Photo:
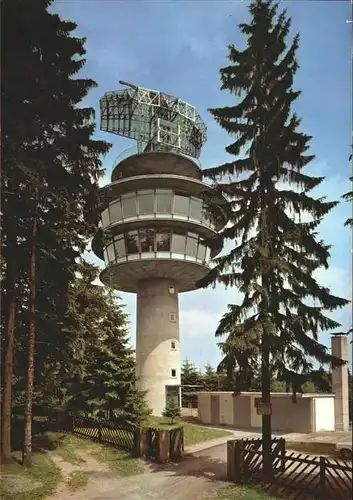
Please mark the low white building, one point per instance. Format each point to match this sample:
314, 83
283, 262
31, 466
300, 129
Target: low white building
311, 412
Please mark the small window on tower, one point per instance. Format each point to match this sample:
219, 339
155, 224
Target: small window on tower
173, 345
173, 372
172, 317
171, 289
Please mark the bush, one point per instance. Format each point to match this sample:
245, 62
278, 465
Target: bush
171, 411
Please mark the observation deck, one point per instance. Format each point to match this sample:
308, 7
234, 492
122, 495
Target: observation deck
154, 224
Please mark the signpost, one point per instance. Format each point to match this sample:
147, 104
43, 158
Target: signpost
262, 408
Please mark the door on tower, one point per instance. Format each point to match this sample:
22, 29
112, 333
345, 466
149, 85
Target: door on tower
172, 395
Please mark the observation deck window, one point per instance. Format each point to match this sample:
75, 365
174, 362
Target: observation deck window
129, 205
163, 237
119, 244
195, 208
146, 202
132, 245
147, 240
171, 243
164, 200
201, 252
191, 244
178, 243
181, 204
157, 203
105, 218
111, 253
115, 211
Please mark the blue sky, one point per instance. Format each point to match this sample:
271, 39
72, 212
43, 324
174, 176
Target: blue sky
178, 47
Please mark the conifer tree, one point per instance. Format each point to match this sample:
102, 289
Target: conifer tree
106, 386
276, 253
349, 197
49, 155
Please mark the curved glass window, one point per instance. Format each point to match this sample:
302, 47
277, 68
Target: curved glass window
181, 204
156, 203
195, 208
178, 243
119, 244
129, 205
132, 244
201, 252
111, 253
189, 246
105, 218
146, 237
145, 202
115, 211
164, 200
163, 237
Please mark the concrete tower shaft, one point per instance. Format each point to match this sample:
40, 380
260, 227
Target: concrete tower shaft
157, 341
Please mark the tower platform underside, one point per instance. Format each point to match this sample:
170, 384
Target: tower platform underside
127, 276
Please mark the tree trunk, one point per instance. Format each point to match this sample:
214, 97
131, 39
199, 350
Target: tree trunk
8, 370
266, 400
27, 444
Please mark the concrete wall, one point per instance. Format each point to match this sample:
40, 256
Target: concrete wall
309, 414
226, 409
155, 358
241, 411
339, 347
324, 412
292, 417
204, 407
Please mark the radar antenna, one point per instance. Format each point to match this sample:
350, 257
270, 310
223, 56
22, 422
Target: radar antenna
157, 121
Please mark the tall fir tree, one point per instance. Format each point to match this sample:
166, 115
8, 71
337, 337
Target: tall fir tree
105, 385
51, 167
349, 197
276, 253
191, 381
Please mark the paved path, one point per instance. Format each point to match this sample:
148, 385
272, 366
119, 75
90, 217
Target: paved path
197, 477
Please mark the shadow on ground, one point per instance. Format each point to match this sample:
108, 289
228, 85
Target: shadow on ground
207, 464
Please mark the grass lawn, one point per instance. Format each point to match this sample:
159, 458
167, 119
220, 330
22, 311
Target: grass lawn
116, 460
78, 479
245, 492
193, 434
40, 480
34, 483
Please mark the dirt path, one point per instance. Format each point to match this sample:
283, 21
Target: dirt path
197, 477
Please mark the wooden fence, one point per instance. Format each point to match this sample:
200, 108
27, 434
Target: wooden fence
147, 442
304, 476
118, 434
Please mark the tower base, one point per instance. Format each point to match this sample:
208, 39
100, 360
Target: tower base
157, 343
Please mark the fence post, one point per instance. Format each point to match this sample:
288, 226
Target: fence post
139, 442
231, 460
100, 431
162, 446
283, 454
322, 477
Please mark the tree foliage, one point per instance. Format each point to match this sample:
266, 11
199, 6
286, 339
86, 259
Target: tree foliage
51, 168
277, 251
349, 197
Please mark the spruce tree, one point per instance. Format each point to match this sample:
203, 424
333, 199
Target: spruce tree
276, 253
349, 197
191, 381
210, 378
49, 154
100, 376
